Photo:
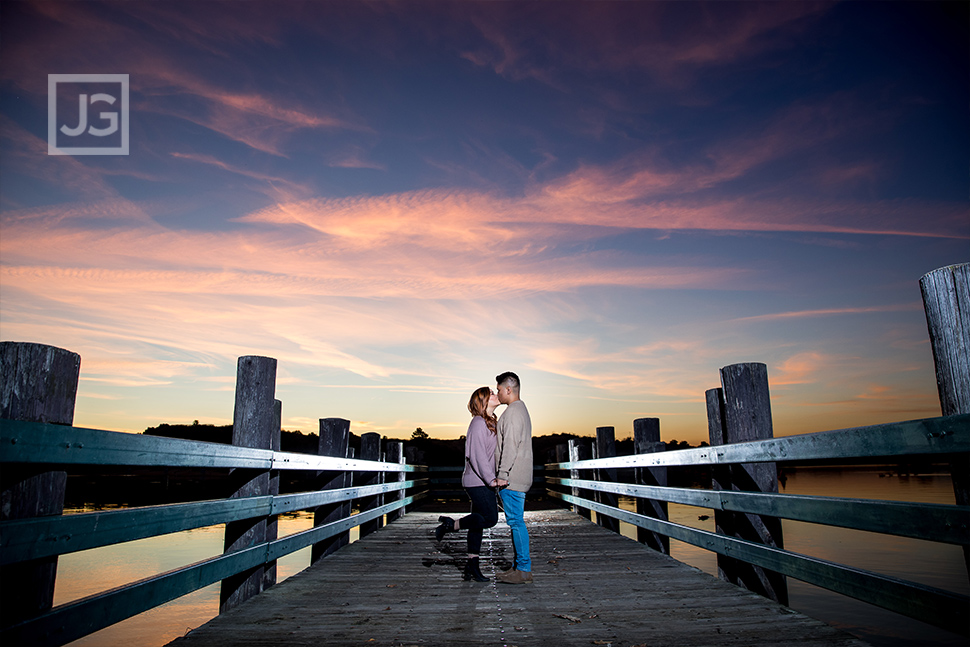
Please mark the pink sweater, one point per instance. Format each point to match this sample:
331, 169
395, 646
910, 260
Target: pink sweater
479, 454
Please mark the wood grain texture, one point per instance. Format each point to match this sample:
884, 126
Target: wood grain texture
255, 425
592, 586
946, 301
646, 440
38, 383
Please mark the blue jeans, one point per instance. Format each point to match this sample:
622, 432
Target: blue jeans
514, 504
484, 515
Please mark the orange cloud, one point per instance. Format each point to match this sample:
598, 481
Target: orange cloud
802, 368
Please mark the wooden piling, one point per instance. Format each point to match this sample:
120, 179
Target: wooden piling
38, 383
273, 522
578, 451
646, 440
334, 441
946, 300
606, 448
254, 425
395, 454
370, 450
744, 408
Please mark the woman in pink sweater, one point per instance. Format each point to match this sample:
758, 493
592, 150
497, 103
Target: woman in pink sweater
478, 479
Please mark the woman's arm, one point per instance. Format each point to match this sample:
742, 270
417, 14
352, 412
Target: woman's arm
480, 457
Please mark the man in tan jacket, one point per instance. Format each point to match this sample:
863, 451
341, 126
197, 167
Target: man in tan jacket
513, 465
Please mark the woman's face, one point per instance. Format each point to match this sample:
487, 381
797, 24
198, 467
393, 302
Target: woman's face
492, 400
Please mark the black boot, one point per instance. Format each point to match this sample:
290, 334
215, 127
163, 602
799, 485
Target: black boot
472, 571
447, 525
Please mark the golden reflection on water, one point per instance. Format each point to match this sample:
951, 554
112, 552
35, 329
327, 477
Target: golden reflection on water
92, 571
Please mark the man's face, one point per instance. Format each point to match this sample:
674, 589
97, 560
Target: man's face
504, 394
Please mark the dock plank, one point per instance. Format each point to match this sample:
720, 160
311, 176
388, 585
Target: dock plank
592, 587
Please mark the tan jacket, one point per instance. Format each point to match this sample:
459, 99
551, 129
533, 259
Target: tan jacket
513, 449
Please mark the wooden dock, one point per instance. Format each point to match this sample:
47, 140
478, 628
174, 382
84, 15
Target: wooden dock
398, 587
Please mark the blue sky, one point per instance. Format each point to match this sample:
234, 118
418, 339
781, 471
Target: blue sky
399, 201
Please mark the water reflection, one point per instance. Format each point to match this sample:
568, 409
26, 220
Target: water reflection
938, 565
92, 571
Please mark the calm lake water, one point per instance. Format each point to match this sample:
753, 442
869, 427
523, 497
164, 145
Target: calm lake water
938, 565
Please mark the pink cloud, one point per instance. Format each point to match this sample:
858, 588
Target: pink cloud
802, 368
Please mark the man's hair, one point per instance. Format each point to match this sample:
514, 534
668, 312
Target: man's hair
508, 379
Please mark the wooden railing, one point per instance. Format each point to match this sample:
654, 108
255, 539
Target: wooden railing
742, 459
933, 522
33, 533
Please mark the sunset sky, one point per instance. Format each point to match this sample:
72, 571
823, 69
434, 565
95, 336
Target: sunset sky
399, 201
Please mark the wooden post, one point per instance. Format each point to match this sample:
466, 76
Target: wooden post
739, 412
38, 383
253, 425
646, 440
720, 480
370, 450
578, 452
946, 299
381, 477
273, 523
606, 448
334, 441
395, 454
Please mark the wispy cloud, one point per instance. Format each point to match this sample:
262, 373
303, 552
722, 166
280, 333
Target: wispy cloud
398, 208
830, 312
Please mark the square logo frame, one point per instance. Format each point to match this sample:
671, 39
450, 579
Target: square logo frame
122, 113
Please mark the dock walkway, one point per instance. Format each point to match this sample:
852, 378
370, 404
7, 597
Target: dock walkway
398, 587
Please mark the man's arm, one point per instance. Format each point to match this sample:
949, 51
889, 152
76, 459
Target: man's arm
510, 440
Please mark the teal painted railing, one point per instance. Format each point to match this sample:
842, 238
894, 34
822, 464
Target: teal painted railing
37, 389
945, 437
26, 444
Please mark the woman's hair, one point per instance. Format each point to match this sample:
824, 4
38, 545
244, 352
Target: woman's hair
478, 405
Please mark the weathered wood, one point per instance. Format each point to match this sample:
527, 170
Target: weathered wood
38, 383
929, 436
746, 409
254, 425
720, 474
71, 621
272, 522
395, 454
578, 451
946, 300
949, 524
939, 607
370, 449
646, 440
41, 443
334, 441
606, 448
591, 586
